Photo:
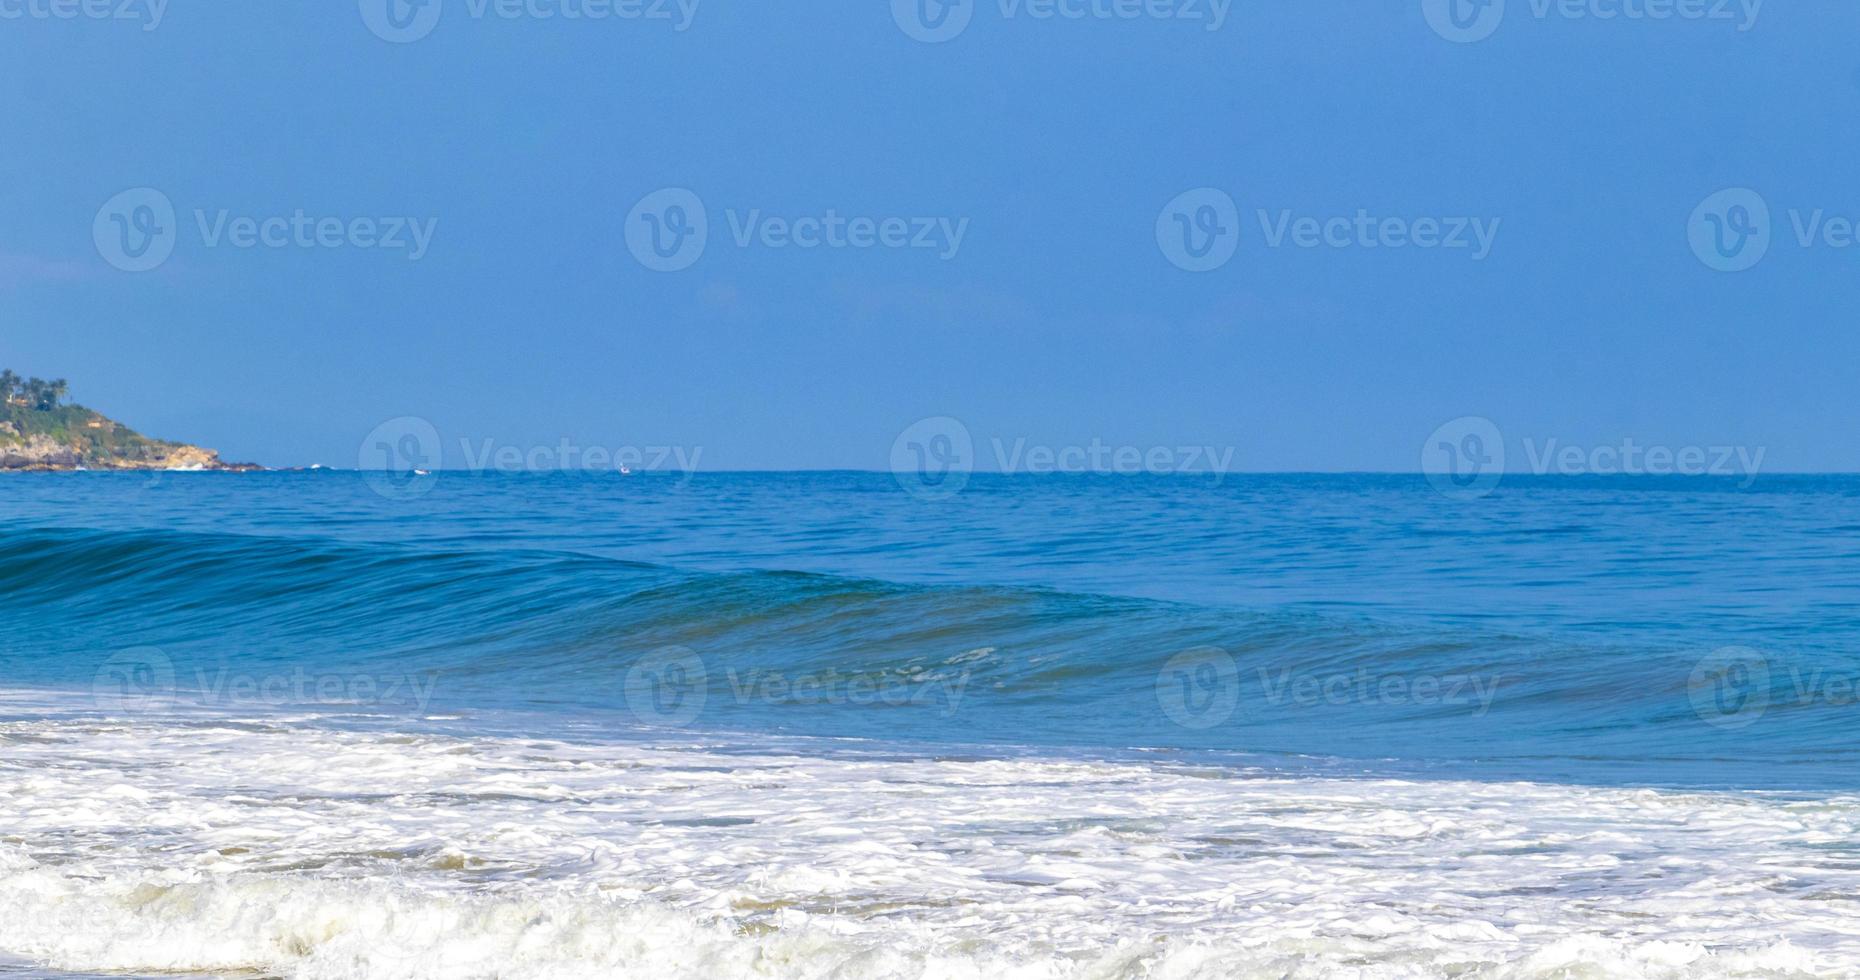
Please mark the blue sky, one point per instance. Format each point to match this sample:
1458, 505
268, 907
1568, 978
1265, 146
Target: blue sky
523, 144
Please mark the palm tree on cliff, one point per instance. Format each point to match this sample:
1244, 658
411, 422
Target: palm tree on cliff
9, 383
58, 389
36, 390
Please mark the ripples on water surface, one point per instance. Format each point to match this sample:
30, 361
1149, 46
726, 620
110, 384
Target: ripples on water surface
809, 725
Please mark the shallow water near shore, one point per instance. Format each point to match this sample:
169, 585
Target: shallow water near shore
809, 725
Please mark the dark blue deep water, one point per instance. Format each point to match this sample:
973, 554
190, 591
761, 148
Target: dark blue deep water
1634, 631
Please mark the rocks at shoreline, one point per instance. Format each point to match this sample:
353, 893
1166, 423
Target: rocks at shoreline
42, 454
40, 432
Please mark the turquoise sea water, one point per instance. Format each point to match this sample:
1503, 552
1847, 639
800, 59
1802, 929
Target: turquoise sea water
318, 725
1559, 629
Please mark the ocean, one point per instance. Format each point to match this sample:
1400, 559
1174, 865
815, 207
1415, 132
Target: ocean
336, 725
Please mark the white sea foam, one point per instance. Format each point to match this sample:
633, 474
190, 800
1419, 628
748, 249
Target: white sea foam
306, 852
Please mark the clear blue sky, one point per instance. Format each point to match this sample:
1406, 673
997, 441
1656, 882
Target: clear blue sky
1059, 141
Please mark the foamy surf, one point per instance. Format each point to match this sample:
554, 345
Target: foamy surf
187, 845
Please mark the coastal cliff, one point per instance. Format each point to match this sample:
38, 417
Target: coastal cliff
40, 431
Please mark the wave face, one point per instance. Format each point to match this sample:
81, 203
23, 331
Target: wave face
1689, 635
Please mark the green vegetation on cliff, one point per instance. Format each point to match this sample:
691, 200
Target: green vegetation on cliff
39, 430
